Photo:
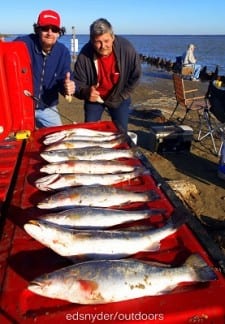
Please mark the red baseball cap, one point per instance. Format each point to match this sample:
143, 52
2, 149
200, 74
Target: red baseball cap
49, 17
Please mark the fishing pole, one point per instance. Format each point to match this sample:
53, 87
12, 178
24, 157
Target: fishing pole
27, 93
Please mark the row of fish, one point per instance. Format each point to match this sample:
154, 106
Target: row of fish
82, 229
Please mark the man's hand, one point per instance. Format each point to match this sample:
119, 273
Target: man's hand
95, 95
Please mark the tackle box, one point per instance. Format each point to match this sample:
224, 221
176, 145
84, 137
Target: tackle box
22, 258
170, 138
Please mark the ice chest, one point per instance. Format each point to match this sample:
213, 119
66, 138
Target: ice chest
170, 138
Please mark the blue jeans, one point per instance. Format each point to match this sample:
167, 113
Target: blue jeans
197, 69
94, 110
47, 117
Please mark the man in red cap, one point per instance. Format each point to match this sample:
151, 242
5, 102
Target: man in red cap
51, 64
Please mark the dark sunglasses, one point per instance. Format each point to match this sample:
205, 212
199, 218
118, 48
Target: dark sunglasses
54, 29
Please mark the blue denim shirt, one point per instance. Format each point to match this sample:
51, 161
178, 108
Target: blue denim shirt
49, 71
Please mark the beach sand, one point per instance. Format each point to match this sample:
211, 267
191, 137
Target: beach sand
152, 102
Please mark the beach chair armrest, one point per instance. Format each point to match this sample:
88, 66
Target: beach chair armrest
192, 90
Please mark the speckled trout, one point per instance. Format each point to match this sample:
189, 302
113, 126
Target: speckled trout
108, 244
59, 181
87, 167
101, 282
95, 217
87, 153
79, 131
71, 144
95, 196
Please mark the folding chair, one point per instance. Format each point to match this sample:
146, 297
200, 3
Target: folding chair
186, 98
211, 128
214, 116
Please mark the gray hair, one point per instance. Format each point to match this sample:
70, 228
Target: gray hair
99, 27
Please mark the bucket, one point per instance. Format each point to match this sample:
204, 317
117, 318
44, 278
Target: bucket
133, 137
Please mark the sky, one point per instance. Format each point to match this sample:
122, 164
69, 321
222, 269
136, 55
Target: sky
147, 17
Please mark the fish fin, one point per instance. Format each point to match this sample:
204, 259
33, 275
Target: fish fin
153, 247
157, 264
202, 270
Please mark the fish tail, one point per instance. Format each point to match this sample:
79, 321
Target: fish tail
136, 152
178, 217
141, 170
202, 271
153, 195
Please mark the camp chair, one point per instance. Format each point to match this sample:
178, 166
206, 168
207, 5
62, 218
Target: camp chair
186, 98
213, 118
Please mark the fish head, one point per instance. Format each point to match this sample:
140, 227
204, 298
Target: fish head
52, 156
53, 285
42, 231
45, 183
53, 201
68, 285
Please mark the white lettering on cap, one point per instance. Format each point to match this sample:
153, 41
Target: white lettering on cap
50, 16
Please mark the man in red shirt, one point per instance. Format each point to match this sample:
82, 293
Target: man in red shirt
106, 72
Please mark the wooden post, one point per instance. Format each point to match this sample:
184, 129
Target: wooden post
73, 45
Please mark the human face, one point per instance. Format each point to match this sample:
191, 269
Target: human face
103, 44
48, 36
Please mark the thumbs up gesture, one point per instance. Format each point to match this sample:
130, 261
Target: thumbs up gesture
95, 94
69, 86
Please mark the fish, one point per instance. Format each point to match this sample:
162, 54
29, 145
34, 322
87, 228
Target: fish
87, 167
58, 181
90, 138
74, 143
96, 217
71, 144
78, 131
108, 281
95, 196
97, 244
87, 153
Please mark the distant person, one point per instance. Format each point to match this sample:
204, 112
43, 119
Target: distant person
190, 59
106, 72
51, 65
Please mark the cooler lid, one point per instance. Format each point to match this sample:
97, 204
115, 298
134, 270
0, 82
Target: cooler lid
17, 109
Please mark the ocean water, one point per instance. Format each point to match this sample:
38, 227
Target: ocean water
210, 51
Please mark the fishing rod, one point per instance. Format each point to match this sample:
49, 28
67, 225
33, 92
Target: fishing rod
27, 93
